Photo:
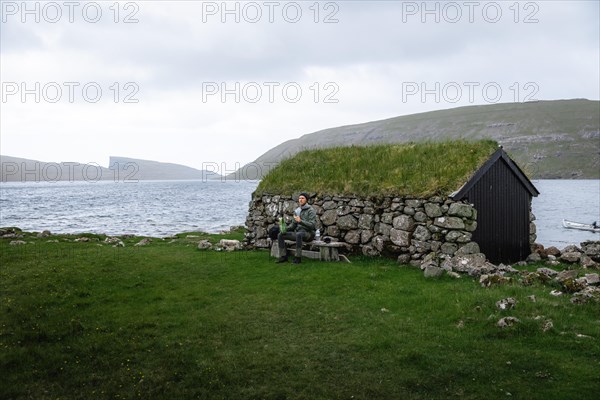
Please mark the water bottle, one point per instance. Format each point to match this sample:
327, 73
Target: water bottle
318, 235
282, 226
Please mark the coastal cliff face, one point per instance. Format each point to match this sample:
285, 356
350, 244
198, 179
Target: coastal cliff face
407, 228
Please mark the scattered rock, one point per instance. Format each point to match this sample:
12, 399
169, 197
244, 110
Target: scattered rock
433, 271
506, 304
404, 259
570, 257
17, 242
591, 249
144, 242
547, 271
230, 245
82, 239
567, 274
507, 268
44, 234
587, 262
488, 280
112, 240
592, 279
556, 293
590, 293
547, 325
579, 335
453, 274
532, 298
507, 321
552, 251
204, 245
571, 249
119, 244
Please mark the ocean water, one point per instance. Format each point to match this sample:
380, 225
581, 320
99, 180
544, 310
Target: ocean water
575, 200
161, 208
149, 208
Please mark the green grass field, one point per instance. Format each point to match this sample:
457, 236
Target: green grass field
167, 321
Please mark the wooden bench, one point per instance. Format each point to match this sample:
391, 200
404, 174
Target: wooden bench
325, 251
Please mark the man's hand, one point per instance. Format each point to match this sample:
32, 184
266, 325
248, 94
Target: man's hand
297, 218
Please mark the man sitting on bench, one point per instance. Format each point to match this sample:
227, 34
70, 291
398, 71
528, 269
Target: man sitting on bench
302, 228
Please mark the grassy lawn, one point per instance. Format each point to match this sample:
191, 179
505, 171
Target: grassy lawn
166, 321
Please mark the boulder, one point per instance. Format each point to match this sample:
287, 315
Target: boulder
400, 237
570, 257
493, 279
587, 262
370, 251
230, 245
17, 243
421, 233
460, 210
204, 245
449, 222
365, 236
506, 304
547, 325
420, 216
449, 248
507, 321
464, 263
567, 274
592, 279
404, 259
431, 271
365, 221
547, 271
329, 217
404, 222
552, 251
469, 248
433, 210
571, 249
387, 218
352, 237
470, 225
144, 242
347, 222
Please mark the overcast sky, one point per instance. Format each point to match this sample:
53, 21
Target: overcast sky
194, 82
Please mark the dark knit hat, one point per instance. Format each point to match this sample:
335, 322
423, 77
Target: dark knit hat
306, 196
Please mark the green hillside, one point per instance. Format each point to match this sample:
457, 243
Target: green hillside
552, 139
412, 169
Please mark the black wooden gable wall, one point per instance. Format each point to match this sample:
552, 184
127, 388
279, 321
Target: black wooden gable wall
501, 194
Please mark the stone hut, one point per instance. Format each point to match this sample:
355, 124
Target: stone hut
408, 201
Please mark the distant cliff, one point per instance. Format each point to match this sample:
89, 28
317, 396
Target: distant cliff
14, 169
550, 139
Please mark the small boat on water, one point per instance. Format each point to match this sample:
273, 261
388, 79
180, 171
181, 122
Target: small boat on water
582, 227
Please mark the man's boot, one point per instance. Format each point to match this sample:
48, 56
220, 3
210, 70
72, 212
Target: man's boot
297, 260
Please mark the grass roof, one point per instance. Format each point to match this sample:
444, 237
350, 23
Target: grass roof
410, 170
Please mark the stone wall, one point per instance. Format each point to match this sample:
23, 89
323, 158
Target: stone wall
406, 228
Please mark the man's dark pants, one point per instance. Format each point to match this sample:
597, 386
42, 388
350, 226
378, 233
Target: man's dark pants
297, 236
